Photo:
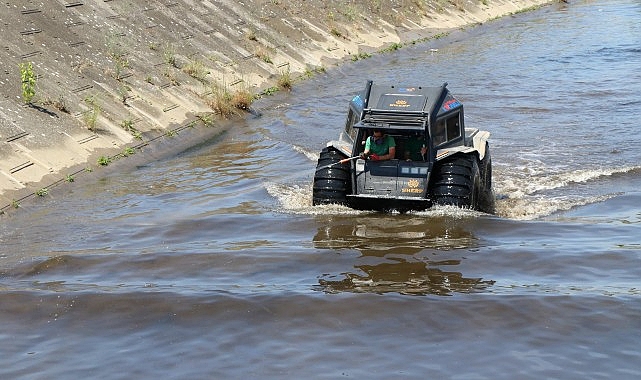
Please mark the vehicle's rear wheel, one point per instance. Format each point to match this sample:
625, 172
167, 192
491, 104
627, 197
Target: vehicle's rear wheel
456, 181
332, 179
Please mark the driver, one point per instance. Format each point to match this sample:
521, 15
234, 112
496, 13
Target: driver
379, 146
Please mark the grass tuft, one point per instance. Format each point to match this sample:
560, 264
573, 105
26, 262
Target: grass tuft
227, 103
285, 80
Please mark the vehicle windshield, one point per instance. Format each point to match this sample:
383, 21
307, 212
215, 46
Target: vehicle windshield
411, 145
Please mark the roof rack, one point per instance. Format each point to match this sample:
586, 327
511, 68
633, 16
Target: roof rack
401, 104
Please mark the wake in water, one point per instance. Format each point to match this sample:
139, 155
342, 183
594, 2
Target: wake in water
528, 197
533, 191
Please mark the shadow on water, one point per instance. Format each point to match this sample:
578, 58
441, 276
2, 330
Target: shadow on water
405, 254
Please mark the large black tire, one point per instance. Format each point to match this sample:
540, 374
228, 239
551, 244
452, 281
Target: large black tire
331, 184
486, 201
456, 181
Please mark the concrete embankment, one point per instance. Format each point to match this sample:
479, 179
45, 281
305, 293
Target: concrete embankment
111, 76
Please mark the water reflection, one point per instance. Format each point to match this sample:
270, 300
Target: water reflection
404, 277
399, 254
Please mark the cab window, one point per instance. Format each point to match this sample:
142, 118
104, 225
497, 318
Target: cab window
446, 129
438, 133
352, 118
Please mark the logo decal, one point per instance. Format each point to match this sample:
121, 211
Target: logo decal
358, 101
400, 103
412, 187
452, 103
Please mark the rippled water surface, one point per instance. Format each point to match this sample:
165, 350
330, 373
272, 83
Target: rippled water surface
212, 263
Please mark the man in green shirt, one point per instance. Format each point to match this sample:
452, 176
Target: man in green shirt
379, 146
415, 148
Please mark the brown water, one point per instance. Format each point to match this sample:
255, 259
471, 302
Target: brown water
212, 263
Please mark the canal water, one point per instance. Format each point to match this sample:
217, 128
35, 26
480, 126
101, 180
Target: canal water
211, 263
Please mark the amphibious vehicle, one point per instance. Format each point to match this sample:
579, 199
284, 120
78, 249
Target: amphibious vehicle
435, 160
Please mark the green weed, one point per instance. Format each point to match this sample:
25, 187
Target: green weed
104, 160
359, 56
127, 125
90, 117
28, 82
393, 47
206, 118
269, 91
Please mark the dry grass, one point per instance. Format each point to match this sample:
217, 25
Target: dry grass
196, 69
242, 99
227, 103
285, 80
263, 54
58, 104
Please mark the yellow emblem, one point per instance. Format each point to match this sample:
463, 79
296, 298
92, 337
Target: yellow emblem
402, 103
413, 183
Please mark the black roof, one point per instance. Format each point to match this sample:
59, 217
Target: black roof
403, 106
403, 98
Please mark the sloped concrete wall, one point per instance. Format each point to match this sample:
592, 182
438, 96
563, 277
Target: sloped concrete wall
116, 73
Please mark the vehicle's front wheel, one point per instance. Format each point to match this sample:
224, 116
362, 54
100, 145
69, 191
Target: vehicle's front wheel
332, 179
456, 181
486, 201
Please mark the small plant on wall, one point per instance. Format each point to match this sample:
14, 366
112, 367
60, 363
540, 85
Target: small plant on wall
104, 160
169, 54
59, 104
123, 93
206, 119
28, 82
221, 100
128, 152
285, 80
226, 102
91, 117
196, 69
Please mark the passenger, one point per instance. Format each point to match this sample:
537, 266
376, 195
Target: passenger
415, 149
379, 146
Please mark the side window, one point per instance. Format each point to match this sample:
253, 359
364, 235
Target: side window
438, 133
446, 130
453, 127
352, 118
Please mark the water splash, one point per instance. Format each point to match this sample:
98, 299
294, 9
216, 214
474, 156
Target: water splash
312, 156
530, 197
297, 199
